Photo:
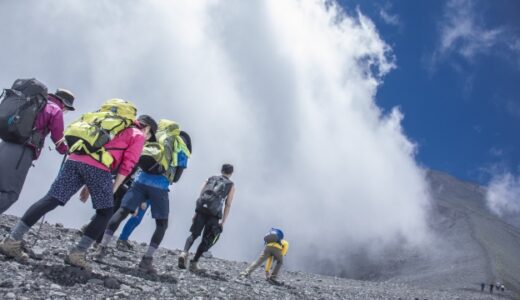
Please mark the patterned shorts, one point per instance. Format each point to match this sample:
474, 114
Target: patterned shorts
74, 175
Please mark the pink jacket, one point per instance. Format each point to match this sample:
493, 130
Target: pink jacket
50, 120
130, 139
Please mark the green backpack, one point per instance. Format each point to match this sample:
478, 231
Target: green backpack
90, 133
161, 157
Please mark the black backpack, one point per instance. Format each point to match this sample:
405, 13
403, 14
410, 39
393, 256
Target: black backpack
19, 107
213, 195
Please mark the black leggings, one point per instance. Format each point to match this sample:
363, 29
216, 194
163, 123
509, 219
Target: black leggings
117, 218
48, 203
39, 209
160, 229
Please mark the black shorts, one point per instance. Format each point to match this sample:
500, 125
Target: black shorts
204, 222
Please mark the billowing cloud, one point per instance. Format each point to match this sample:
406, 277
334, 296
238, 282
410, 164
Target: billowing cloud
284, 90
502, 194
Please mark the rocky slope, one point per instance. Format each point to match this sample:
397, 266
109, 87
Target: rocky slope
46, 277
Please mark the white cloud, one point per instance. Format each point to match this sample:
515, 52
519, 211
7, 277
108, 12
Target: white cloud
503, 195
389, 18
285, 90
464, 32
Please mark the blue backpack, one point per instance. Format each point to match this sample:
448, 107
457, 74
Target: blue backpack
273, 236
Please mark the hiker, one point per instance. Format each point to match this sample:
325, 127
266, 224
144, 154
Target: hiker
482, 287
491, 286
43, 115
135, 220
217, 191
276, 248
90, 166
158, 164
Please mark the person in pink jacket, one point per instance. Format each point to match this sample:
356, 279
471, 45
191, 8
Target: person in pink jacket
17, 159
83, 170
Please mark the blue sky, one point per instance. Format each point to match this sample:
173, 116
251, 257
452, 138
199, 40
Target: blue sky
457, 80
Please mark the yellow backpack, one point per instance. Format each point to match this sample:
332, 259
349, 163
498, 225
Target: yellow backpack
161, 157
90, 133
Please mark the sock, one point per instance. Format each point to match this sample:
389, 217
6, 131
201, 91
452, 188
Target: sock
19, 230
151, 250
107, 237
84, 243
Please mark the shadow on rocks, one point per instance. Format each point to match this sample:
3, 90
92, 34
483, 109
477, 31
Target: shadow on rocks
136, 273
69, 276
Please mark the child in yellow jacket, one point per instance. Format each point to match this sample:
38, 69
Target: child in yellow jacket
272, 251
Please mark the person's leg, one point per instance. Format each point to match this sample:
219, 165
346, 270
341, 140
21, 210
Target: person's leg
135, 195
145, 264
196, 229
157, 237
278, 257
160, 207
64, 187
16, 161
132, 224
32, 215
261, 259
211, 235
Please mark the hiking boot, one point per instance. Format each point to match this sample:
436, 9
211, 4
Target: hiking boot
194, 267
77, 258
273, 280
124, 245
182, 260
244, 274
100, 253
146, 266
13, 248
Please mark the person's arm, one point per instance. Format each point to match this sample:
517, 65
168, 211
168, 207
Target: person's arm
229, 201
130, 155
120, 178
56, 128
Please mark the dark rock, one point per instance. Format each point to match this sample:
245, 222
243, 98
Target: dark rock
112, 283
6, 284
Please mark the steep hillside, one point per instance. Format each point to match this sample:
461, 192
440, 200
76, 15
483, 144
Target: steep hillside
495, 244
46, 277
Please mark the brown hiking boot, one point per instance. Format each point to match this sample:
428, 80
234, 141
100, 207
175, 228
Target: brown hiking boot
146, 266
183, 258
13, 248
77, 258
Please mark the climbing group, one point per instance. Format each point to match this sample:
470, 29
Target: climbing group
124, 162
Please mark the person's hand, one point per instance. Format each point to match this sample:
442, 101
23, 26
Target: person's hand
221, 224
135, 213
84, 194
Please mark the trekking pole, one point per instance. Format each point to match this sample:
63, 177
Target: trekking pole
37, 235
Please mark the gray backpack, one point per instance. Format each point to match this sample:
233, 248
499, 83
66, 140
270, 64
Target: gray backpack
213, 196
19, 107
